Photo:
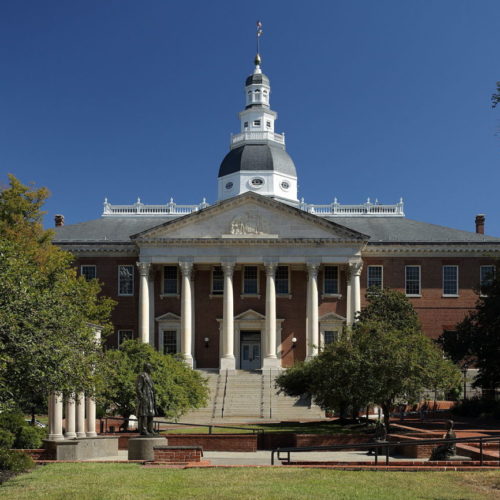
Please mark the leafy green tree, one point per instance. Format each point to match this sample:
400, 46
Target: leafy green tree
383, 360
178, 387
476, 339
495, 98
47, 342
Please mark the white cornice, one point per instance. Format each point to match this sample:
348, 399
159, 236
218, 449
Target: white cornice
429, 250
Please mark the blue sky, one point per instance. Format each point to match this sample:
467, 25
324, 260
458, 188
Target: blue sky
378, 99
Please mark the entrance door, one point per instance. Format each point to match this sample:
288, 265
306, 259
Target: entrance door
250, 350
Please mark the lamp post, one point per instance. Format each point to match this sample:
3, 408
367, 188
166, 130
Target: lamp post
465, 367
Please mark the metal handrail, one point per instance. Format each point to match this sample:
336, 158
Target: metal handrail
386, 445
157, 423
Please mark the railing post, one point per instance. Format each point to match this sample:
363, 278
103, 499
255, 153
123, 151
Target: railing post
481, 451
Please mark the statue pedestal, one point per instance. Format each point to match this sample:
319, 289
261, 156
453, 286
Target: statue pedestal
141, 448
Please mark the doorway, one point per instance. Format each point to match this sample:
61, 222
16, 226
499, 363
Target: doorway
250, 351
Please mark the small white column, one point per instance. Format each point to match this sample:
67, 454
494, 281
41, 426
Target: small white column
70, 417
227, 360
151, 288
80, 415
144, 301
356, 288
349, 308
90, 403
56, 423
193, 323
313, 320
186, 312
271, 361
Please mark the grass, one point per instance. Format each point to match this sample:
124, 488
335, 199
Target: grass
131, 481
324, 427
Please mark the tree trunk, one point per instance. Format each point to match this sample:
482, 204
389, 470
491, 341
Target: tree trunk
386, 409
33, 416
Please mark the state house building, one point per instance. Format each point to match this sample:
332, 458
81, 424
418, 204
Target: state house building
260, 279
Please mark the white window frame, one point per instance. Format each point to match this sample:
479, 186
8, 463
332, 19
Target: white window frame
133, 283
287, 294
381, 275
88, 265
456, 280
169, 294
330, 322
174, 329
214, 293
252, 294
331, 294
419, 281
121, 332
481, 273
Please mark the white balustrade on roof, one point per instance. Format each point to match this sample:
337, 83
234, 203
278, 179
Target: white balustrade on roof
250, 136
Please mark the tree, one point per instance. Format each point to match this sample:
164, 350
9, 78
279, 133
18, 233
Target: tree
47, 342
385, 359
477, 338
178, 387
495, 98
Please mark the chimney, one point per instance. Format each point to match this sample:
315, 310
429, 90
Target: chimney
59, 220
480, 224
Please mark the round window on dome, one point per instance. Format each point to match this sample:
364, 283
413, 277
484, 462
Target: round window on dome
257, 182
285, 185
229, 185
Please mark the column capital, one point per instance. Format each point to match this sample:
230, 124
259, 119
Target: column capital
186, 267
227, 268
270, 268
144, 268
312, 269
355, 268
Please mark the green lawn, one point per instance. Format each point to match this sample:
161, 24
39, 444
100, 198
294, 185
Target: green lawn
131, 481
325, 427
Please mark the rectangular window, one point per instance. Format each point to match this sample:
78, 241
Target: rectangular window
331, 280
256, 123
282, 280
487, 275
375, 276
88, 272
412, 274
250, 280
169, 342
124, 335
170, 280
268, 124
245, 125
125, 280
217, 280
330, 336
450, 280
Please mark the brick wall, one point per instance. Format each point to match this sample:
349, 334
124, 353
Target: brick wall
216, 442
177, 454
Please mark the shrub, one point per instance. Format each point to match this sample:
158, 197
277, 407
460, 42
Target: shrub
6, 439
477, 407
29, 437
15, 461
12, 422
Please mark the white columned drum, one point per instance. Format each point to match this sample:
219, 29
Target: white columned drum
227, 360
57, 416
144, 301
313, 309
70, 417
80, 415
356, 287
186, 312
270, 359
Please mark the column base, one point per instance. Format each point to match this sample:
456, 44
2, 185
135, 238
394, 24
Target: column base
227, 364
70, 435
80, 435
271, 364
188, 359
55, 437
91, 434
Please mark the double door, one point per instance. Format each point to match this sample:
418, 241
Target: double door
250, 351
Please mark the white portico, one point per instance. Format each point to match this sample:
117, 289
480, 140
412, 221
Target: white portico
247, 231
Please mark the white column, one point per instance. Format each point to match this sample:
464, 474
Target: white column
348, 313
144, 301
313, 320
70, 417
90, 403
80, 415
151, 299
186, 312
356, 288
227, 360
270, 360
193, 312
55, 426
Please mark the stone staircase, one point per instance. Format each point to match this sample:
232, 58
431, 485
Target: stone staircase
241, 396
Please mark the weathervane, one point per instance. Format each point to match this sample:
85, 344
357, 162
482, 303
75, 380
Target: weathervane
259, 34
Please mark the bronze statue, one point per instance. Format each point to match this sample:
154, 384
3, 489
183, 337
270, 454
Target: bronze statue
446, 450
146, 403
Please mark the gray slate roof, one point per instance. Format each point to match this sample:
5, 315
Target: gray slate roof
257, 157
380, 230
258, 78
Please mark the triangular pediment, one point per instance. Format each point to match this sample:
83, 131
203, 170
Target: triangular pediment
250, 315
331, 316
168, 317
250, 216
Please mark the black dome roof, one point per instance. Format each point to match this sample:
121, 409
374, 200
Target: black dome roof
257, 157
257, 78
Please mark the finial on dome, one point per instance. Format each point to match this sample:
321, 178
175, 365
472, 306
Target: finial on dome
257, 59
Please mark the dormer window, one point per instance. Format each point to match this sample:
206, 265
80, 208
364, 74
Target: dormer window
257, 91
245, 125
268, 124
256, 123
